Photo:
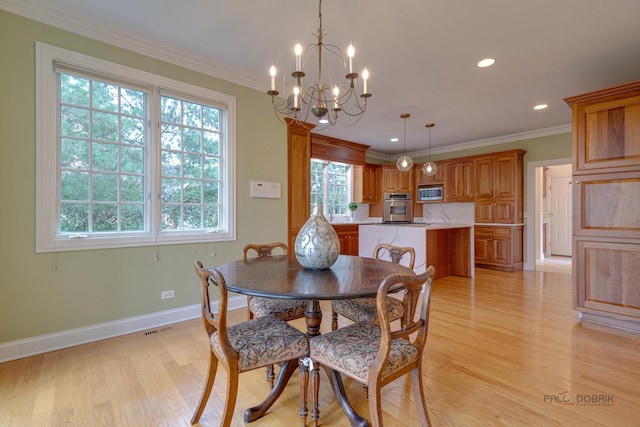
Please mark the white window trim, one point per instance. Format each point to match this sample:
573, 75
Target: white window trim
47, 205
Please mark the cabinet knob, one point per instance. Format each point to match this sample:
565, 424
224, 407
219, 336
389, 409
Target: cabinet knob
577, 182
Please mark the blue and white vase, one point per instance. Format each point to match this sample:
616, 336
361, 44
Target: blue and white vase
317, 245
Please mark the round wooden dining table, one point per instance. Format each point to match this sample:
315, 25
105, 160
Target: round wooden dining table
282, 276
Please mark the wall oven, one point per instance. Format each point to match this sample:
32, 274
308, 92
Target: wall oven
398, 208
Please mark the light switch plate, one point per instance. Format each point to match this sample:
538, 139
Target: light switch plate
265, 190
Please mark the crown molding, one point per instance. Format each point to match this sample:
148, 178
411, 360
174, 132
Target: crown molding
539, 133
89, 27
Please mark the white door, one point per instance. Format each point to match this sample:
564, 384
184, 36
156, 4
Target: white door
561, 216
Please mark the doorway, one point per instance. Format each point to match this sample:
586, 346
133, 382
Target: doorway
548, 229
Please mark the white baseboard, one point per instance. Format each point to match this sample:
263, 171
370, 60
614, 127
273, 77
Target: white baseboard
18, 349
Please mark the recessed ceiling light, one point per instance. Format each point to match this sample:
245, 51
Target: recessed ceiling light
394, 140
323, 121
486, 62
540, 107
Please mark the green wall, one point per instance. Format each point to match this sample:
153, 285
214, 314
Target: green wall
91, 287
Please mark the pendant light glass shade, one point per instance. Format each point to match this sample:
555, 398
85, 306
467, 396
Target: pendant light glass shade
404, 162
429, 168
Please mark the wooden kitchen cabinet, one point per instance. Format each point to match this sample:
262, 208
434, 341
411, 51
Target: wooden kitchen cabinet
371, 177
499, 247
423, 179
498, 187
458, 181
606, 198
349, 238
395, 181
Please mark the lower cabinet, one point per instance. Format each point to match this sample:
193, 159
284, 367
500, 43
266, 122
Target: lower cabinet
499, 247
348, 236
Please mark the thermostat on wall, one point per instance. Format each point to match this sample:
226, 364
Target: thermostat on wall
265, 190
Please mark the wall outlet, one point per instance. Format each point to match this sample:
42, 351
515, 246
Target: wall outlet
166, 294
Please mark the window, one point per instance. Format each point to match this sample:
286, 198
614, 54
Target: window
128, 158
331, 185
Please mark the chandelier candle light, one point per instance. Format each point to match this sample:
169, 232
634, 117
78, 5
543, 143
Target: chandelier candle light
321, 97
429, 168
404, 162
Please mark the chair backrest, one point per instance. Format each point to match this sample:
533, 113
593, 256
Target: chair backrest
213, 323
413, 286
396, 253
264, 249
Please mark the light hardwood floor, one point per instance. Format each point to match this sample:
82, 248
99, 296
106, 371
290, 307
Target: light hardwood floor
501, 347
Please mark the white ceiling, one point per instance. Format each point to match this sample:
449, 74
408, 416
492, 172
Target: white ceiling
421, 54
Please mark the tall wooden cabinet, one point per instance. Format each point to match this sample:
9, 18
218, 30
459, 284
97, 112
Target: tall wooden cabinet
498, 187
606, 198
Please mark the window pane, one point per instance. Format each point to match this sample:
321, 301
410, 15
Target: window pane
131, 188
74, 154
74, 218
105, 97
74, 121
105, 187
190, 165
105, 218
74, 90
132, 102
132, 159
96, 149
105, 157
171, 110
74, 186
132, 131
132, 218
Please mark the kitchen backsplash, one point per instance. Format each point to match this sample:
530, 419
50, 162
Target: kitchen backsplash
448, 213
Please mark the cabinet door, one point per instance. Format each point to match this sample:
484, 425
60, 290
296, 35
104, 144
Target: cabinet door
458, 180
484, 178
607, 277
484, 211
607, 205
501, 252
370, 183
482, 249
396, 181
609, 134
505, 175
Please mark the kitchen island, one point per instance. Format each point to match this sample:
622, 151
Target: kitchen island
446, 246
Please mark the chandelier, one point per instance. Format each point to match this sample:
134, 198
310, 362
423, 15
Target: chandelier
323, 99
429, 168
404, 162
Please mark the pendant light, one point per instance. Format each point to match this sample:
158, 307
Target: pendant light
429, 168
404, 162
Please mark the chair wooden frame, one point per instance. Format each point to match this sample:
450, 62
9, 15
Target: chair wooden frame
223, 351
372, 374
266, 249
396, 253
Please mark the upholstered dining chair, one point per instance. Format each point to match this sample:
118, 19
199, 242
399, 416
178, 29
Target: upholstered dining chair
259, 306
364, 309
243, 347
376, 354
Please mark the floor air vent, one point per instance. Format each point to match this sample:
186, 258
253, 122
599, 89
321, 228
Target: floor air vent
159, 330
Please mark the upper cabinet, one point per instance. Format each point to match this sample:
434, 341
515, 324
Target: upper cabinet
395, 181
458, 181
606, 130
371, 177
423, 179
498, 187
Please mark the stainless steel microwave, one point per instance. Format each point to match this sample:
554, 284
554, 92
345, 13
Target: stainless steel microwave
431, 193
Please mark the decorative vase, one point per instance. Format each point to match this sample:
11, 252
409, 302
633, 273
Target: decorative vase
317, 246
